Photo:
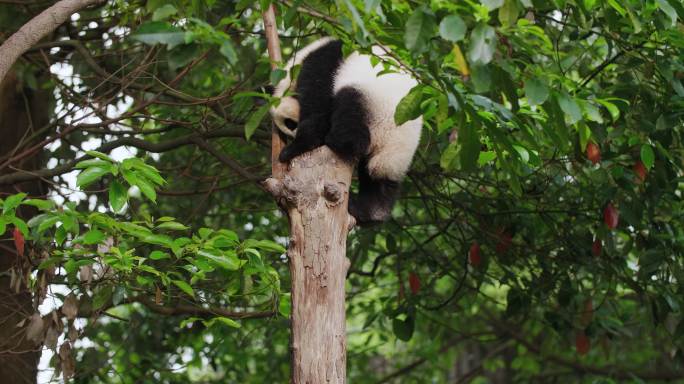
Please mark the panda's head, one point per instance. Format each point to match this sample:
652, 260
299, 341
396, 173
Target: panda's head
286, 115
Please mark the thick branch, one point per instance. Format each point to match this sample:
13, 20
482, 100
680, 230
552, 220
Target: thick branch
180, 309
183, 309
39, 27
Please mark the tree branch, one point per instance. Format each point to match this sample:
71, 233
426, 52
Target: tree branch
39, 27
163, 146
181, 309
222, 157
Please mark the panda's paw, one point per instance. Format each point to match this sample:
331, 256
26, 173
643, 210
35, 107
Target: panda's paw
286, 155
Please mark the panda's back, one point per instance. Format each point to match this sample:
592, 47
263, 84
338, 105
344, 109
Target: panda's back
382, 94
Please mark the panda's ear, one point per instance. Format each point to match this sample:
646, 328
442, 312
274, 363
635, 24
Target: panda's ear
267, 89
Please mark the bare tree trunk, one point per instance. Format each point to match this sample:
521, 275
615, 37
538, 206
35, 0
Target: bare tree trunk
21, 111
315, 192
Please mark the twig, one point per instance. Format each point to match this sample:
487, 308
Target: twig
274, 53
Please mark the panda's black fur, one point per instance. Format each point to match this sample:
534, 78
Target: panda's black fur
342, 103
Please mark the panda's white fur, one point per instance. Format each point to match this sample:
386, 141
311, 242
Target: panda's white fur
392, 147
388, 155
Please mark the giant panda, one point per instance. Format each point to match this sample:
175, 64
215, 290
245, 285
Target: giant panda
346, 104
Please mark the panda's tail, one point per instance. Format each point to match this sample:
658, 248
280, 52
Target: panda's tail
373, 204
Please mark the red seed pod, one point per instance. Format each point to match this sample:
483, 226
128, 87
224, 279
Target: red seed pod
593, 152
474, 256
414, 283
582, 343
18, 241
597, 248
641, 171
610, 216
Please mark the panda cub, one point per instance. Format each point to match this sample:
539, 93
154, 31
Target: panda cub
345, 104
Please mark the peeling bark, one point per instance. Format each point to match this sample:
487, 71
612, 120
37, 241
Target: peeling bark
314, 191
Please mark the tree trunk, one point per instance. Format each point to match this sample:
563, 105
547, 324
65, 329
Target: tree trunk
21, 111
315, 192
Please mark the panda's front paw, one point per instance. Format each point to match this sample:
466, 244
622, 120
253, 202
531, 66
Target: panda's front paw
286, 155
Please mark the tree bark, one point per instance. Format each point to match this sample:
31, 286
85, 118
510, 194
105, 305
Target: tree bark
40, 26
20, 112
315, 192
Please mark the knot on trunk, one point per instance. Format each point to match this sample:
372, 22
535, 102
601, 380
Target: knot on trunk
333, 193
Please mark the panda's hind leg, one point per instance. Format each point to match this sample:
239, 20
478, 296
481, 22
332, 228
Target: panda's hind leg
349, 136
373, 204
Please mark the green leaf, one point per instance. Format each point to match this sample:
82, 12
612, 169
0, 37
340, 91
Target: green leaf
612, 108
508, 13
225, 260
616, 6
492, 4
92, 162
102, 296
272, 246
647, 155
172, 225
164, 12
93, 236
452, 28
419, 30
47, 223
43, 205
146, 188
100, 155
570, 107
277, 75
482, 44
185, 287
254, 120
90, 175
486, 157
536, 91
152, 238
118, 196
285, 304
144, 170
469, 141
481, 77
409, 106
21, 225
159, 32
669, 11
403, 329
226, 321
228, 50
12, 202
635, 21
158, 255
3, 225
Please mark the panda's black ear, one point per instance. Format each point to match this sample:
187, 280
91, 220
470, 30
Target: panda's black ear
268, 89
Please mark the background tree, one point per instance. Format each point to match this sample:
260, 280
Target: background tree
539, 237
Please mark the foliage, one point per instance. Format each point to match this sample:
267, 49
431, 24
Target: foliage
552, 141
